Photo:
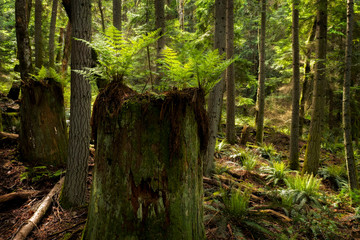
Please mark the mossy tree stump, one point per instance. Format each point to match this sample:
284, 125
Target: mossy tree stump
43, 136
148, 166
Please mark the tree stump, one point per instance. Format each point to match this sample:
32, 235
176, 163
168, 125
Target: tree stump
43, 136
148, 165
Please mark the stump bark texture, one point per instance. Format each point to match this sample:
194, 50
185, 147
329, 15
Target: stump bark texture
148, 166
43, 137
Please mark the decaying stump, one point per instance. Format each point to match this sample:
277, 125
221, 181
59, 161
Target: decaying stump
43, 136
148, 166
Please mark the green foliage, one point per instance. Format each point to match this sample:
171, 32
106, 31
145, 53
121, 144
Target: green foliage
249, 163
45, 73
237, 203
268, 151
116, 54
35, 174
197, 68
335, 174
277, 172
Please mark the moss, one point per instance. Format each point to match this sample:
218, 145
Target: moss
148, 169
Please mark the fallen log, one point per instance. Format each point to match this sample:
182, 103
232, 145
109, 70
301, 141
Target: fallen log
40, 212
8, 138
22, 194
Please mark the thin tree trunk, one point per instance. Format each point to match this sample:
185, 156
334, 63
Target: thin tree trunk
349, 153
181, 13
312, 156
22, 16
230, 78
67, 48
307, 70
102, 15
215, 100
260, 100
117, 14
159, 24
38, 34
74, 191
294, 140
60, 44
52, 34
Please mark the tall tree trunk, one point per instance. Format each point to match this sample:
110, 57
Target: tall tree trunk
260, 99
67, 48
312, 155
60, 44
215, 100
117, 14
181, 13
38, 34
22, 17
230, 78
102, 15
294, 140
349, 153
159, 24
52, 34
306, 84
74, 190
148, 166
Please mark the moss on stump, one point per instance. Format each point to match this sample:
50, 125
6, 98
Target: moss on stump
148, 166
43, 137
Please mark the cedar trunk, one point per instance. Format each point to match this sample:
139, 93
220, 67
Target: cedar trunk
260, 99
43, 137
148, 167
294, 140
312, 156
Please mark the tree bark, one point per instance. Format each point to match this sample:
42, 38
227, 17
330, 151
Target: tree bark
38, 34
306, 84
52, 34
159, 24
74, 190
43, 134
230, 76
67, 48
294, 140
349, 152
260, 99
22, 17
117, 14
102, 15
181, 13
312, 156
215, 100
148, 166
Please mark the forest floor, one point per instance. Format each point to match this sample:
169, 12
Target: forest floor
265, 215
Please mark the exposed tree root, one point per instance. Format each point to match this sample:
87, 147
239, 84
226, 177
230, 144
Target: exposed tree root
40, 212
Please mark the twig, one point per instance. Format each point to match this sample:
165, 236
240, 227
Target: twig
66, 229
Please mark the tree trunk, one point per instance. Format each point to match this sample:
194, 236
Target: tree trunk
260, 99
22, 17
307, 70
148, 166
102, 15
74, 190
67, 48
312, 156
43, 135
52, 34
349, 153
38, 34
159, 24
294, 140
230, 78
60, 44
117, 14
181, 13
215, 100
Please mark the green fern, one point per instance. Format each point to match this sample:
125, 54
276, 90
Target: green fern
116, 53
196, 69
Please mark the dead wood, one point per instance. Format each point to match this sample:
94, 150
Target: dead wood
15, 195
8, 138
36, 217
274, 213
214, 182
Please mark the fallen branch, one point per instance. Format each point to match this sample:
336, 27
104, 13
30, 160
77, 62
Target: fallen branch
67, 229
22, 194
214, 182
40, 212
272, 212
8, 138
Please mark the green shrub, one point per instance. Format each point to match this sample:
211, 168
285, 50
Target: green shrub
237, 203
277, 172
